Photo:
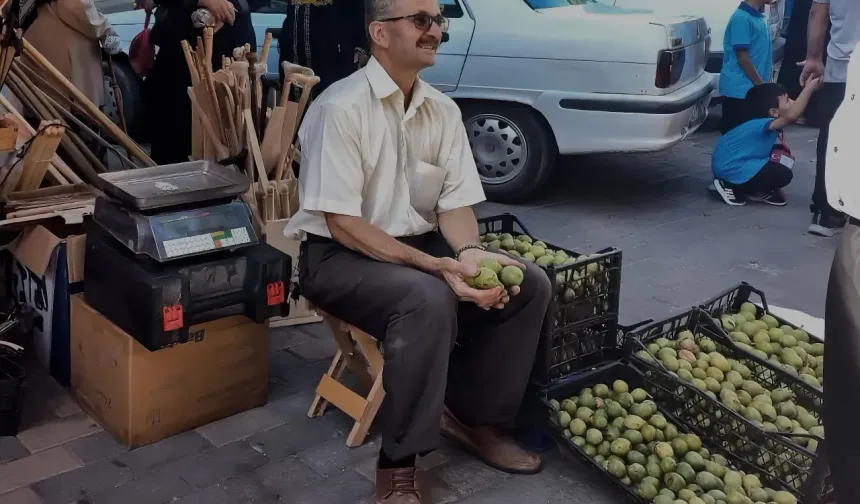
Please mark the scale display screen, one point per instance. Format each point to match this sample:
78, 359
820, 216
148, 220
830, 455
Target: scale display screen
181, 233
197, 231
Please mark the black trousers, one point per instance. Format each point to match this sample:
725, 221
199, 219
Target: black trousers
417, 318
842, 372
734, 114
830, 96
771, 177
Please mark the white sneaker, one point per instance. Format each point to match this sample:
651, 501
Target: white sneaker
728, 194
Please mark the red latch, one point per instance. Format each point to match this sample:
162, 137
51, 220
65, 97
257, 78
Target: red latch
172, 317
275, 293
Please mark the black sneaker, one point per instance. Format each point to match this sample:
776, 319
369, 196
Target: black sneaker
825, 224
775, 198
728, 193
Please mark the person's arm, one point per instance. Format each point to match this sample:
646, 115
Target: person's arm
746, 64
797, 108
819, 15
740, 36
333, 179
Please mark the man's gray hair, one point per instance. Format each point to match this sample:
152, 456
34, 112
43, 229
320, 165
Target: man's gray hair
375, 10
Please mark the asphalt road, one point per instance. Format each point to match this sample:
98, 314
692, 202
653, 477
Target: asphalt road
681, 243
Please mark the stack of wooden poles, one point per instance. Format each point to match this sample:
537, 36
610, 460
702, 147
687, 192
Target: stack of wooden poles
29, 179
234, 123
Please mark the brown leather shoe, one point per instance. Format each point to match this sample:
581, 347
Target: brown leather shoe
490, 446
397, 486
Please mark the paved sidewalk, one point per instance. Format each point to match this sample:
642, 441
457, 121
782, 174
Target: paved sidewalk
267, 455
680, 246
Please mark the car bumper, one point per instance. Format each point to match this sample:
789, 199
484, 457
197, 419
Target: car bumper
626, 123
715, 63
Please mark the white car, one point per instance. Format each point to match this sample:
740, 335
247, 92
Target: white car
537, 78
717, 14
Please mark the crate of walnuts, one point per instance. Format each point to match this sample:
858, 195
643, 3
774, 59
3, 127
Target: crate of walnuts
581, 325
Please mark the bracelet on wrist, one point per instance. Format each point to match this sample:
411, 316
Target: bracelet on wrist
468, 247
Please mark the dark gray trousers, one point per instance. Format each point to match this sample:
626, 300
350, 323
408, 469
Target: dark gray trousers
842, 366
417, 318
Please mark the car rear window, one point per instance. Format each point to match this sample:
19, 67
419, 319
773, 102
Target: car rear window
548, 4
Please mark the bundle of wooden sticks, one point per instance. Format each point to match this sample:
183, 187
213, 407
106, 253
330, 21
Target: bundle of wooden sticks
234, 123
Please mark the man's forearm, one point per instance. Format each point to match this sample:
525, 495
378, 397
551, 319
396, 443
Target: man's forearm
356, 234
747, 66
819, 15
459, 227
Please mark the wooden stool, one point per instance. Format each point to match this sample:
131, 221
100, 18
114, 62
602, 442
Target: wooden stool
358, 352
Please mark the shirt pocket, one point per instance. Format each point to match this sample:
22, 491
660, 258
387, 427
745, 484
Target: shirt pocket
425, 186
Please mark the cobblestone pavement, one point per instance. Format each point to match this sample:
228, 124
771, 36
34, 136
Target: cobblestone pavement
681, 245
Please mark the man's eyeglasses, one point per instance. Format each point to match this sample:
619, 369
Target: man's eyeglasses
422, 21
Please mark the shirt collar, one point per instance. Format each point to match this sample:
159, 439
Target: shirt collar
384, 86
746, 7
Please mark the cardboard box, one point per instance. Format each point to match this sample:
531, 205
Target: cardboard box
300, 310
48, 269
142, 397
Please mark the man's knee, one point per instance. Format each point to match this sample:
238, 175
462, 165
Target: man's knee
425, 318
427, 296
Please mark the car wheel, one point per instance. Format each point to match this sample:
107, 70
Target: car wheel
513, 147
130, 89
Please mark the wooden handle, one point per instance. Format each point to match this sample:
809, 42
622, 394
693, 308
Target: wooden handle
208, 34
305, 81
267, 42
189, 60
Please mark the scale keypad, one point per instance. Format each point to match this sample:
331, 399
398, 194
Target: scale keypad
188, 245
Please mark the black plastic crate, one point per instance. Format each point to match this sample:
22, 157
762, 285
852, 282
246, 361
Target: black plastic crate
13, 386
782, 459
730, 301
608, 373
581, 326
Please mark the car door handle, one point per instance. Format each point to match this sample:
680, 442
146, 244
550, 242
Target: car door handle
276, 32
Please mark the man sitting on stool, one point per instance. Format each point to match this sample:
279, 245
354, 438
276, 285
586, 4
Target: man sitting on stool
387, 183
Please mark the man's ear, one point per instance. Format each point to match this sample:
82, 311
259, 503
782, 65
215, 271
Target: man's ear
377, 34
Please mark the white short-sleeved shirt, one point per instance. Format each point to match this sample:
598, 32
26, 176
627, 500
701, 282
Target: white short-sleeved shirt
842, 177
365, 155
844, 35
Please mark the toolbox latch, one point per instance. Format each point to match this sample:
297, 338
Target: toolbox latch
172, 317
275, 294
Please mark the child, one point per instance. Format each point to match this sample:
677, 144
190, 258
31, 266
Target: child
751, 162
747, 59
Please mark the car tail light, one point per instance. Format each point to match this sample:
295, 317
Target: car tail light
670, 66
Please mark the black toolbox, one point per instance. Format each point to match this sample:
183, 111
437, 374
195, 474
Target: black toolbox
156, 303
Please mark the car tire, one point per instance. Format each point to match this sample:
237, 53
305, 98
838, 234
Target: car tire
131, 89
513, 147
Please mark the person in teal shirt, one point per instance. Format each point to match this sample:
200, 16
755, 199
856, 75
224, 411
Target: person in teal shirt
751, 162
747, 59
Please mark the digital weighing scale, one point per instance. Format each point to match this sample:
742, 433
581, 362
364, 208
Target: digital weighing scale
176, 211
175, 247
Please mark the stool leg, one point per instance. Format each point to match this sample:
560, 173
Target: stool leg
362, 425
319, 404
